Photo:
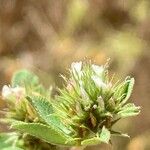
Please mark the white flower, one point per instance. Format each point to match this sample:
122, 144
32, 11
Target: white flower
98, 69
95, 106
8, 91
99, 82
76, 68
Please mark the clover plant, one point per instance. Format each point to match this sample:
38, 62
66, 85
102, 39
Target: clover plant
82, 113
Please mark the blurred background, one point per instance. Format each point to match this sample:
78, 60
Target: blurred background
45, 36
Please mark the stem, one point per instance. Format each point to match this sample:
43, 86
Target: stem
78, 148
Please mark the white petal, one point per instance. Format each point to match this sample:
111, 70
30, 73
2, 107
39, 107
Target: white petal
98, 82
83, 92
98, 69
6, 91
76, 69
77, 66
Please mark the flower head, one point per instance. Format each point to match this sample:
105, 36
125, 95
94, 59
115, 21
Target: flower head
17, 92
94, 103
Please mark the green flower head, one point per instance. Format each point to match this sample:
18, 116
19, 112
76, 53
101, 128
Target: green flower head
84, 111
90, 103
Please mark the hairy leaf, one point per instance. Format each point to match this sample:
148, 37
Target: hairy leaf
29, 80
124, 90
129, 110
44, 132
45, 110
42, 105
24, 77
129, 90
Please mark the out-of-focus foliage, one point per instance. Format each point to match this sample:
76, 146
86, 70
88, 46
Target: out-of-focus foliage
46, 36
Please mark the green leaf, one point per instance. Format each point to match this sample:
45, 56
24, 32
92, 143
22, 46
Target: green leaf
105, 135
29, 80
44, 132
129, 110
45, 110
123, 91
55, 121
129, 90
41, 105
23, 77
